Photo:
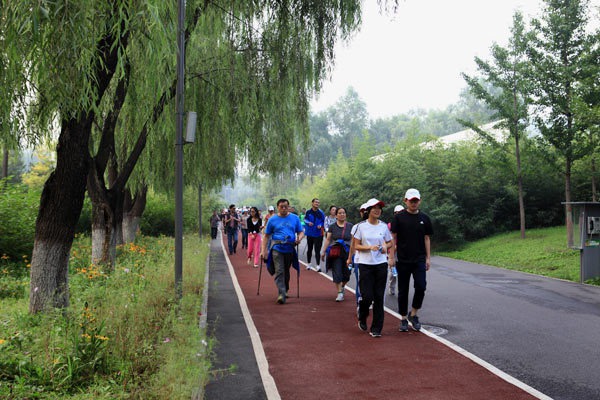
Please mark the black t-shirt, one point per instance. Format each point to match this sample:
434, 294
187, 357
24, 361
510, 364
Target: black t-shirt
410, 230
336, 233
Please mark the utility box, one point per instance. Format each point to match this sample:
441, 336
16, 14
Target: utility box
586, 237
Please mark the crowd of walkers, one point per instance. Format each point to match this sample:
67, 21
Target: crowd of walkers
380, 254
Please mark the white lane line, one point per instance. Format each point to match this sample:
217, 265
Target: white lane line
259, 351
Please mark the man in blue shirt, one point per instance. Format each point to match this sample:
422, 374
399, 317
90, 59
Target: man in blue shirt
314, 221
283, 232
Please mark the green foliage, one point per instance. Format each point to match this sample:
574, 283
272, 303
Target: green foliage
468, 189
18, 210
123, 336
158, 217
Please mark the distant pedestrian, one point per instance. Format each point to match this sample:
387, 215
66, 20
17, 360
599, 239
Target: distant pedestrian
232, 222
330, 219
282, 233
337, 249
372, 240
270, 213
393, 272
254, 236
244, 228
412, 230
302, 215
314, 220
214, 224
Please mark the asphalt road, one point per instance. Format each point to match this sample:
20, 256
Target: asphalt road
544, 332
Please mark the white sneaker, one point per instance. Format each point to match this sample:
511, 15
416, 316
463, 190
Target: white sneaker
340, 297
308, 266
249, 262
318, 268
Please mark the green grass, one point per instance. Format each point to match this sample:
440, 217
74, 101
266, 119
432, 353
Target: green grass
123, 335
542, 252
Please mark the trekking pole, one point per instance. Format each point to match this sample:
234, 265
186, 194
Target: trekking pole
259, 275
298, 276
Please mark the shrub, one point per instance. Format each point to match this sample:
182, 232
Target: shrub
18, 211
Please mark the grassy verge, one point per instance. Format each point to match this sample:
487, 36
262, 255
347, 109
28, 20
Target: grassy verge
542, 252
123, 336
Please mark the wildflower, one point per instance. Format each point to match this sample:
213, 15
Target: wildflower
126, 270
100, 337
5, 257
167, 340
2, 341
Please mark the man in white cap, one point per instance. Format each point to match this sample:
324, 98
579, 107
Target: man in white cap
392, 273
412, 231
271, 212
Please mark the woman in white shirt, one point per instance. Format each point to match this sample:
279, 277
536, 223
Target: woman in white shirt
372, 240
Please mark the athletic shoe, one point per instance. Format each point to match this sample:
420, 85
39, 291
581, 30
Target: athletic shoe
362, 326
392, 292
255, 265
308, 266
340, 297
248, 261
375, 334
318, 269
414, 320
281, 299
403, 326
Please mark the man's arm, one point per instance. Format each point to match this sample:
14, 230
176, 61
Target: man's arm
263, 247
427, 252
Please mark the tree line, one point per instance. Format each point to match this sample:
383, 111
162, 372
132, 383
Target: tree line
542, 88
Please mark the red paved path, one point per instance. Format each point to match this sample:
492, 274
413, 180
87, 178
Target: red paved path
316, 351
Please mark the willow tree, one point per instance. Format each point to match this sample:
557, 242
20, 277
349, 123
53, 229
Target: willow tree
509, 94
557, 52
255, 65
249, 76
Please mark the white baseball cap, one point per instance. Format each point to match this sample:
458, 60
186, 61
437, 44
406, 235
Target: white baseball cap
363, 207
398, 208
374, 202
271, 208
412, 194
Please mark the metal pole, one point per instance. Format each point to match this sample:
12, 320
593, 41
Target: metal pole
179, 151
200, 211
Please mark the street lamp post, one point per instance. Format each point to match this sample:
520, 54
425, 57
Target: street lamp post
179, 150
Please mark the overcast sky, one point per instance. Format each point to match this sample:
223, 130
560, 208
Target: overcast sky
414, 59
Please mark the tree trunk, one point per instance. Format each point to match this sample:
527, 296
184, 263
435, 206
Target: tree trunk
60, 206
520, 187
594, 187
132, 213
103, 236
568, 206
5, 164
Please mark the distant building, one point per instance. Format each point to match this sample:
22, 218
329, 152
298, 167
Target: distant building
469, 135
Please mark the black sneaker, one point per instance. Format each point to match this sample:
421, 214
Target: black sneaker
375, 334
362, 326
281, 299
403, 326
414, 320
